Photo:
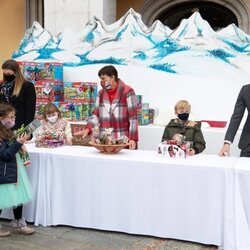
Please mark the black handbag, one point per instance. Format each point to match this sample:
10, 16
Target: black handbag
8, 172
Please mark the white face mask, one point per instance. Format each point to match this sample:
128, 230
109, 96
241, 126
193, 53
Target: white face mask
53, 118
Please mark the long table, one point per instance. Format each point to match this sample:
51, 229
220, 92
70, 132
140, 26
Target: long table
138, 192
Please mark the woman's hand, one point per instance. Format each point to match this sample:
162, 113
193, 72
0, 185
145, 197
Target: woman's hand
132, 144
83, 133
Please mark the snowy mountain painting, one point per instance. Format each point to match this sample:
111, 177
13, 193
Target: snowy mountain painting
191, 62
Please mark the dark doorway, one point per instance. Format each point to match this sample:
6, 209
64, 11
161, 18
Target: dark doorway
217, 15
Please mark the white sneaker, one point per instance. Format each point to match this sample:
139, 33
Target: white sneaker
4, 232
21, 226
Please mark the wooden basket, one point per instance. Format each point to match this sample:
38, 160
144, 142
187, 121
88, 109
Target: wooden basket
108, 149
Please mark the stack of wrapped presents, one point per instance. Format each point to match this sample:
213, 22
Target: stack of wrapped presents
75, 100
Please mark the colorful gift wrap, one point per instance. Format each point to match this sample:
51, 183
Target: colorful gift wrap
145, 105
85, 92
35, 71
143, 114
31, 71
51, 71
173, 150
139, 101
76, 111
40, 109
151, 116
50, 140
49, 91
77, 139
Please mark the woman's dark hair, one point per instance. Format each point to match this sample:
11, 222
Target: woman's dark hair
5, 109
109, 71
19, 80
50, 108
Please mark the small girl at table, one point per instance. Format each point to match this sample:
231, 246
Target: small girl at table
54, 131
15, 188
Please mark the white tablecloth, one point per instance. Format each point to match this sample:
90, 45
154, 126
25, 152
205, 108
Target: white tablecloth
150, 136
242, 198
136, 192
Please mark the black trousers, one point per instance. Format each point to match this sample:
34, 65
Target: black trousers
245, 152
18, 212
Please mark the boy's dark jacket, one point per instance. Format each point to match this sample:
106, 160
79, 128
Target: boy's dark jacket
8, 164
192, 132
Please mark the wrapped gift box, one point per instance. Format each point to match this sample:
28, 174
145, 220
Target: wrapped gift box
51, 71
77, 139
172, 150
139, 101
34, 71
31, 71
40, 109
75, 111
151, 116
85, 92
49, 91
143, 114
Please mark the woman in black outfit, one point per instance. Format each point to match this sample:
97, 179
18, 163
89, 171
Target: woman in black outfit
21, 94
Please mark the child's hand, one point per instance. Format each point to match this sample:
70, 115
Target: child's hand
191, 152
69, 141
23, 150
22, 138
30, 141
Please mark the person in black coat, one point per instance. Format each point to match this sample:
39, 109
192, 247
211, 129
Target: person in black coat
242, 103
18, 92
22, 96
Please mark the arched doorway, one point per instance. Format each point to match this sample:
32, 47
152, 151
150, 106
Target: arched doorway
219, 13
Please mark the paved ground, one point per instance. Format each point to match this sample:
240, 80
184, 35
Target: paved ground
69, 238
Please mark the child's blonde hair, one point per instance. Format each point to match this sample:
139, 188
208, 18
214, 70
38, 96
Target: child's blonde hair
50, 108
181, 105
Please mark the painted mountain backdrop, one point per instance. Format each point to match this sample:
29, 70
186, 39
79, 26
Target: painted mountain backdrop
130, 42
192, 62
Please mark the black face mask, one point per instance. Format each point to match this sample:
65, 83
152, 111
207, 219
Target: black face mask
183, 116
9, 78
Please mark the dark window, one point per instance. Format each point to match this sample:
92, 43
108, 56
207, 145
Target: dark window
217, 15
34, 12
